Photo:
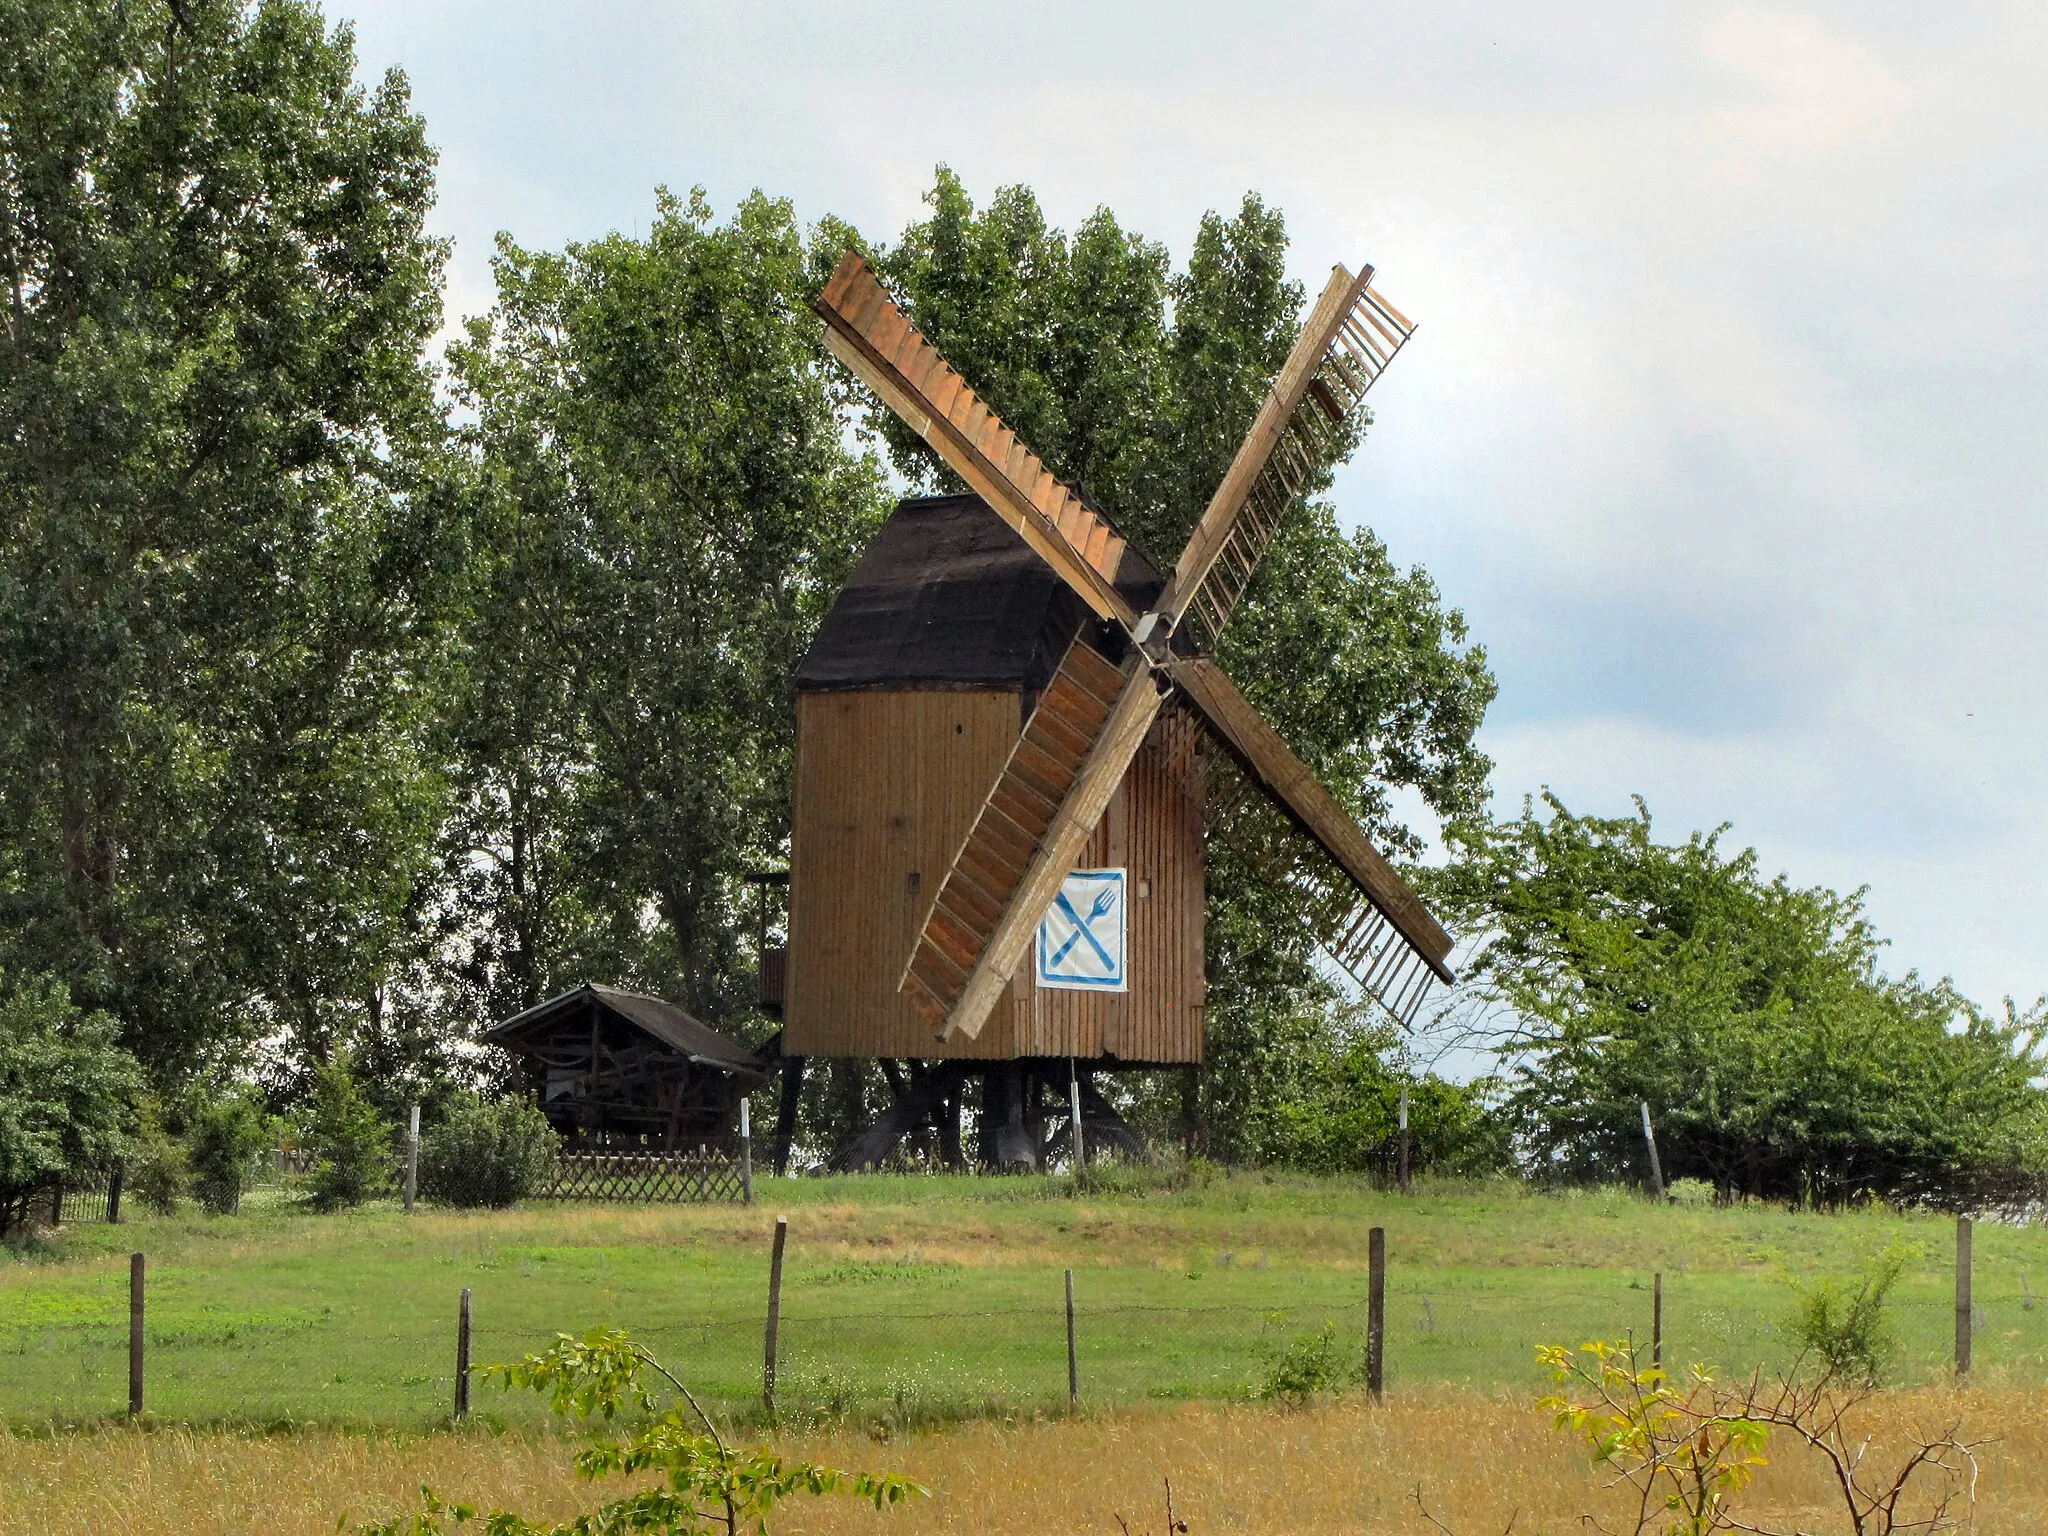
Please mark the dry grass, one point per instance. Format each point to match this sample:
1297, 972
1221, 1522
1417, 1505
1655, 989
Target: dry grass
1342, 1468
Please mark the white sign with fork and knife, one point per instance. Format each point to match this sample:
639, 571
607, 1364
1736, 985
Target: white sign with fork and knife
1081, 938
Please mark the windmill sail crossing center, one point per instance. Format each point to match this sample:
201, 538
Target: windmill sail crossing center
1012, 735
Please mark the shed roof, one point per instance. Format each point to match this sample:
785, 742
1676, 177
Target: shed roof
663, 1020
948, 595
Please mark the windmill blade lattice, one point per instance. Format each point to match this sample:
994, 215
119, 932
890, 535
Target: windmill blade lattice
1322, 424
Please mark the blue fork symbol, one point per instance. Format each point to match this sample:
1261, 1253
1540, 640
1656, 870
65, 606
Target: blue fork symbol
1104, 900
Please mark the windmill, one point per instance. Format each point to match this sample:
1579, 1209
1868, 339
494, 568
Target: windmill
1012, 747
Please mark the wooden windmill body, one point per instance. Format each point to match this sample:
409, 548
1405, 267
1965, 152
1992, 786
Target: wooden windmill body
1007, 702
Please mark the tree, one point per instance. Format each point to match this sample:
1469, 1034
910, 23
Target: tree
664, 506
1139, 382
351, 1145
1750, 1015
65, 1085
219, 589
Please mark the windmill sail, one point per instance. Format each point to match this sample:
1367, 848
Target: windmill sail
866, 331
1365, 915
1311, 418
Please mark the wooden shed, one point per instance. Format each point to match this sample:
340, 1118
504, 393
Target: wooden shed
614, 1069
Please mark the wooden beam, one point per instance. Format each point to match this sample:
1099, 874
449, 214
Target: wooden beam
1292, 382
1288, 780
1101, 772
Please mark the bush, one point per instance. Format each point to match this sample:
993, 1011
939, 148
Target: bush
1696, 1193
351, 1146
158, 1169
1845, 1327
1312, 1364
488, 1154
225, 1132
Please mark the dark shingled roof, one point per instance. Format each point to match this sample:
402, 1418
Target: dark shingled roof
663, 1020
950, 596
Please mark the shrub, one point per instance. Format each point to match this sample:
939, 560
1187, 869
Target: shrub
1312, 1365
1845, 1327
158, 1169
1690, 1192
225, 1132
351, 1146
488, 1154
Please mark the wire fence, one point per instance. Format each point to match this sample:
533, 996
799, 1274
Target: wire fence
912, 1349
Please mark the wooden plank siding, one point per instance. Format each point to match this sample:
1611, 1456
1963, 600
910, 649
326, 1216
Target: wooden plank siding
888, 782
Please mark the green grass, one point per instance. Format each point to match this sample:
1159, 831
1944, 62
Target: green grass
924, 1298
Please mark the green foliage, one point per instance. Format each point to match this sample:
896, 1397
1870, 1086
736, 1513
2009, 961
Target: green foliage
1312, 1365
662, 507
219, 592
65, 1087
351, 1145
487, 1153
1845, 1327
1683, 1450
703, 1483
225, 1131
1749, 1014
1326, 1101
159, 1168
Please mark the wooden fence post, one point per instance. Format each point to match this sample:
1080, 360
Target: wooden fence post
1963, 1306
462, 1358
774, 1316
412, 1158
1656, 1168
1407, 1184
1073, 1364
1376, 1314
746, 1154
135, 1335
114, 1195
1657, 1319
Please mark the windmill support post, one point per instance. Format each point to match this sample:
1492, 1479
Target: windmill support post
785, 1115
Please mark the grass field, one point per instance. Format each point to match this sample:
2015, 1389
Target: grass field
1478, 1458
919, 1300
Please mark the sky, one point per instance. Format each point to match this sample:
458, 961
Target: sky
1726, 423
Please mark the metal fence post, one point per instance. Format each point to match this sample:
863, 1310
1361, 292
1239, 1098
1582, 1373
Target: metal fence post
462, 1358
1073, 1364
1407, 1183
1074, 1109
1963, 1307
135, 1335
1657, 1319
746, 1155
1656, 1168
412, 1158
774, 1316
114, 1195
1376, 1314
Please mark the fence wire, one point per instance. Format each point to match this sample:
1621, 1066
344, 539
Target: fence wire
898, 1353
